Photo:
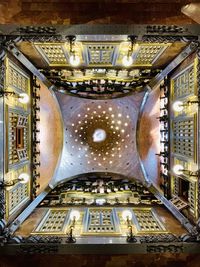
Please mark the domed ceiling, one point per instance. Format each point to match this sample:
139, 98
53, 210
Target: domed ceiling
99, 136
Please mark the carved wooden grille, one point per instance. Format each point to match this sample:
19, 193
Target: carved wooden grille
184, 137
192, 197
53, 222
179, 203
16, 120
52, 53
17, 79
147, 221
101, 221
176, 185
184, 83
100, 53
147, 54
17, 195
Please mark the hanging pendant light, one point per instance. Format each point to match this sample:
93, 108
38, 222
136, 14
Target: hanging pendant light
74, 60
127, 60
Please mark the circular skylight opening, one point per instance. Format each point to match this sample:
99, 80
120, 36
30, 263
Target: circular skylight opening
99, 135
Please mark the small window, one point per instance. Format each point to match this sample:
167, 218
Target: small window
183, 189
19, 138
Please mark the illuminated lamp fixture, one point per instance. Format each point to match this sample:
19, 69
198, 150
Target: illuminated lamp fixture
74, 216
127, 60
74, 59
23, 178
178, 169
127, 216
23, 98
179, 105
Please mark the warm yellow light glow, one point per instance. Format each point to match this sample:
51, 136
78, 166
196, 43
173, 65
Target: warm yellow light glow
127, 61
177, 106
74, 60
126, 214
75, 214
24, 178
178, 169
23, 98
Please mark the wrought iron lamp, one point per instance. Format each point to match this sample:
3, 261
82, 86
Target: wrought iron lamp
74, 216
179, 105
127, 60
179, 170
127, 216
23, 179
22, 97
74, 59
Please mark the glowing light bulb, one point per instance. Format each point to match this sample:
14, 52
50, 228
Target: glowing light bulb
74, 60
23, 98
177, 106
75, 214
24, 178
178, 169
127, 61
126, 214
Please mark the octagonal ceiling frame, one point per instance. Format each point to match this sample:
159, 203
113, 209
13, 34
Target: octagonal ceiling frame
145, 32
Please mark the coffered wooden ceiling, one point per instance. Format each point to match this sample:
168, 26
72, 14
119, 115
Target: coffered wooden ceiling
101, 53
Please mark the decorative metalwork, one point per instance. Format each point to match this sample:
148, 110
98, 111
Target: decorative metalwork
37, 30
2, 76
86, 191
165, 249
193, 235
5, 235
168, 38
40, 248
164, 137
35, 132
2, 189
32, 34
160, 238
102, 84
41, 239
2, 202
42, 38
99, 88
165, 29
